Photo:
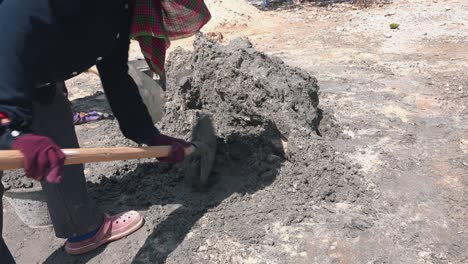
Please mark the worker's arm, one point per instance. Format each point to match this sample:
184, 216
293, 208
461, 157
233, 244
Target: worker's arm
126, 103
122, 91
15, 79
128, 107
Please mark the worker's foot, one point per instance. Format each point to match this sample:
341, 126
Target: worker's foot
113, 228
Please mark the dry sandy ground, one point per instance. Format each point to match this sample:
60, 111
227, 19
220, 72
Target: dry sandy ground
400, 99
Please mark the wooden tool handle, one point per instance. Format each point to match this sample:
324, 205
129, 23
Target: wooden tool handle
13, 159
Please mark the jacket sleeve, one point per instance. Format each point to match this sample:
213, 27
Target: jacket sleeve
15, 76
122, 92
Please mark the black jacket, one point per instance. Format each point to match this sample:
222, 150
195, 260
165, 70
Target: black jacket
46, 41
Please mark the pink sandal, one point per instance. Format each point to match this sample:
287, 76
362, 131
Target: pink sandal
113, 228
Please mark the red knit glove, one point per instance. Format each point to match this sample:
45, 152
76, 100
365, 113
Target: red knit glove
178, 147
43, 159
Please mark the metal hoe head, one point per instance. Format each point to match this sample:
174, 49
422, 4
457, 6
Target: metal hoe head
200, 164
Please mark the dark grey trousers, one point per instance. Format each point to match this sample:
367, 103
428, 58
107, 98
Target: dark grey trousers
71, 210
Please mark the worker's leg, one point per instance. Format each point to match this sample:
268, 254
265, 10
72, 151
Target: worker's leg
5, 255
71, 210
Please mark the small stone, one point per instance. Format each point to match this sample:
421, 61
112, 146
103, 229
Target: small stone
5, 178
7, 186
202, 248
341, 161
28, 184
296, 185
388, 35
209, 243
424, 254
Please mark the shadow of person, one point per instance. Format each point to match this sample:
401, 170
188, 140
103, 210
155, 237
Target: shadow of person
244, 165
95, 102
276, 5
246, 162
59, 256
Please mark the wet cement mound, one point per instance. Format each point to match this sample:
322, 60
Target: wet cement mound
241, 88
266, 117
271, 166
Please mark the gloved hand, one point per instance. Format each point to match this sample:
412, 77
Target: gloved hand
178, 147
43, 159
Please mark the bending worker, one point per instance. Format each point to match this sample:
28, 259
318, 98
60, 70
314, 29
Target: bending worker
44, 43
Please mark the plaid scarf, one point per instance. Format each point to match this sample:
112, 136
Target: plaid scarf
157, 22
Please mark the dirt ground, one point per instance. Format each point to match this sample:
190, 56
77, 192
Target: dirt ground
384, 180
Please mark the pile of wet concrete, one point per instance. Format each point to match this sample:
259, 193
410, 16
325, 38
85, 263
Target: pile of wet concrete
271, 164
258, 103
267, 118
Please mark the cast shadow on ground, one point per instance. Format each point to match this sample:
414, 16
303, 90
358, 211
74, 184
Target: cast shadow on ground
60, 256
277, 6
237, 171
318, 121
281, 5
95, 102
171, 231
